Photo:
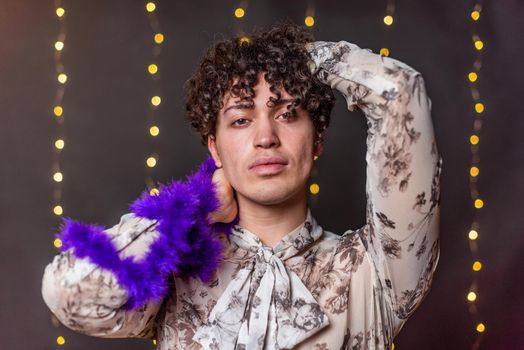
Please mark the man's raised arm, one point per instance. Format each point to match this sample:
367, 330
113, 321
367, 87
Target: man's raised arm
403, 166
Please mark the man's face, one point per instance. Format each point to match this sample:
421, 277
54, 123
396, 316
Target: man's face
266, 152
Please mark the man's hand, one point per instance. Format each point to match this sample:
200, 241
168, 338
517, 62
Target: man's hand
225, 193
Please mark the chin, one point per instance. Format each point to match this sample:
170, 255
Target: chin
268, 194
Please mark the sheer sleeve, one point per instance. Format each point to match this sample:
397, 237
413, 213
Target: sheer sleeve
89, 300
401, 234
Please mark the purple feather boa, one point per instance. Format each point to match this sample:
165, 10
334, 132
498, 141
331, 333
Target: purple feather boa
187, 245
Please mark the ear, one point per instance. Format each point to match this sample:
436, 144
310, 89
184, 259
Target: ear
318, 146
212, 147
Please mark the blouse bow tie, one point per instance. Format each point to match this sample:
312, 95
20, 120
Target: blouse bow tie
266, 306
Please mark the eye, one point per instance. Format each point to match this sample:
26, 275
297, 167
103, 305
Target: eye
287, 115
240, 122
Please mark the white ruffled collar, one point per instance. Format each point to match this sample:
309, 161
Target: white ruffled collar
266, 306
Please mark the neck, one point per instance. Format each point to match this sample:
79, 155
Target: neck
272, 222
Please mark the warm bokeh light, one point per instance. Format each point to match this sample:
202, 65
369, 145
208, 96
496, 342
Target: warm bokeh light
479, 107
472, 76
477, 266
388, 20
474, 171
151, 162
154, 192
62, 78
150, 6
58, 111
58, 210
58, 176
479, 44
59, 45
239, 12
384, 51
159, 38
309, 21
472, 296
314, 188
244, 40
154, 130
57, 243
474, 139
481, 328
152, 68
59, 144
315, 157
479, 203
473, 235
475, 15
60, 12
155, 100
60, 340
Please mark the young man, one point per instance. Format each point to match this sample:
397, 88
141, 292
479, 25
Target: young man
282, 282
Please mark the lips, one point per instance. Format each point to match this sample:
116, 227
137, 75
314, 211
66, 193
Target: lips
268, 166
267, 161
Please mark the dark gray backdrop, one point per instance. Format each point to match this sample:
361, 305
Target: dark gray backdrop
108, 46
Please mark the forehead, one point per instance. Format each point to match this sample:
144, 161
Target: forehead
262, 93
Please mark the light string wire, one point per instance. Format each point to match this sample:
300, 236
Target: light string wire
474, 171
388, 22
58, 142
155, 99
239, 13
153, 70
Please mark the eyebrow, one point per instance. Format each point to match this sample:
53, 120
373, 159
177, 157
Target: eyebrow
243, 105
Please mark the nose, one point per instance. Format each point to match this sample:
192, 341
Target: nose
266, 134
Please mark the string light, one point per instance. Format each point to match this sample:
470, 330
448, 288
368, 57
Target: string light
59, 45
155, 100
153, 70
384, 51
150, 6
154, 130
239, 12
58, 177
474, 234
481, 328
58, 210
158, 38
309, 21
314, 187
57, 243
60, 340
388, 21
58, 111
479, 107
151, 162
57, 143
62, 78
60, 12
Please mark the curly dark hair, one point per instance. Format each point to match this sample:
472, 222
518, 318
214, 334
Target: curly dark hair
280, 53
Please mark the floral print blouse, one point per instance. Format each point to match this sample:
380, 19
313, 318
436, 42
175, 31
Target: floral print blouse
314, 289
